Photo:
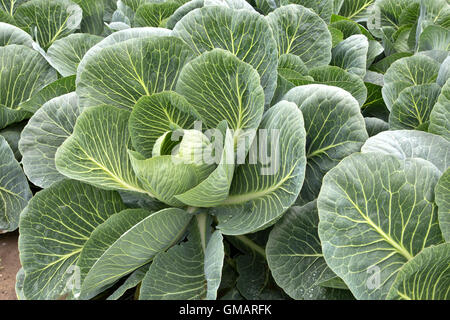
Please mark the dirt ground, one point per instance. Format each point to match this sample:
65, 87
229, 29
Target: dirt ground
9, 265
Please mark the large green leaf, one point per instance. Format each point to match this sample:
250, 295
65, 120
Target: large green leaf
351, 55
301, 32
425, 277
440, 115
245, 34
97, 151
14, 189
324, 8
23, 71
10, 34
49, 20
334, 127
405, 144
413, 107
53, 230
442, 196
182, 11
93, 13
434, 38
189, 270
436, 12
295, 258
386, 14
118, 37
408, 72
376, 213
154, 115
155, 14
358, 10
383, 65
254, 281
135, 4
65, 54
55, 89
220, 87
348, 28
10, 6
117, 76
233, 4
127, 241
337, 77
260, 193
291, 67
336, 36
47, 129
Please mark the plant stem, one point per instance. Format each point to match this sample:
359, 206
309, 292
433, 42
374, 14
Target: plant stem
252, 245
201, 223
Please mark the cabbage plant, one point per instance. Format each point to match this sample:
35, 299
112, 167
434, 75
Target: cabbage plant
225, 149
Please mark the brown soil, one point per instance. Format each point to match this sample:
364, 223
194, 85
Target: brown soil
9, 265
